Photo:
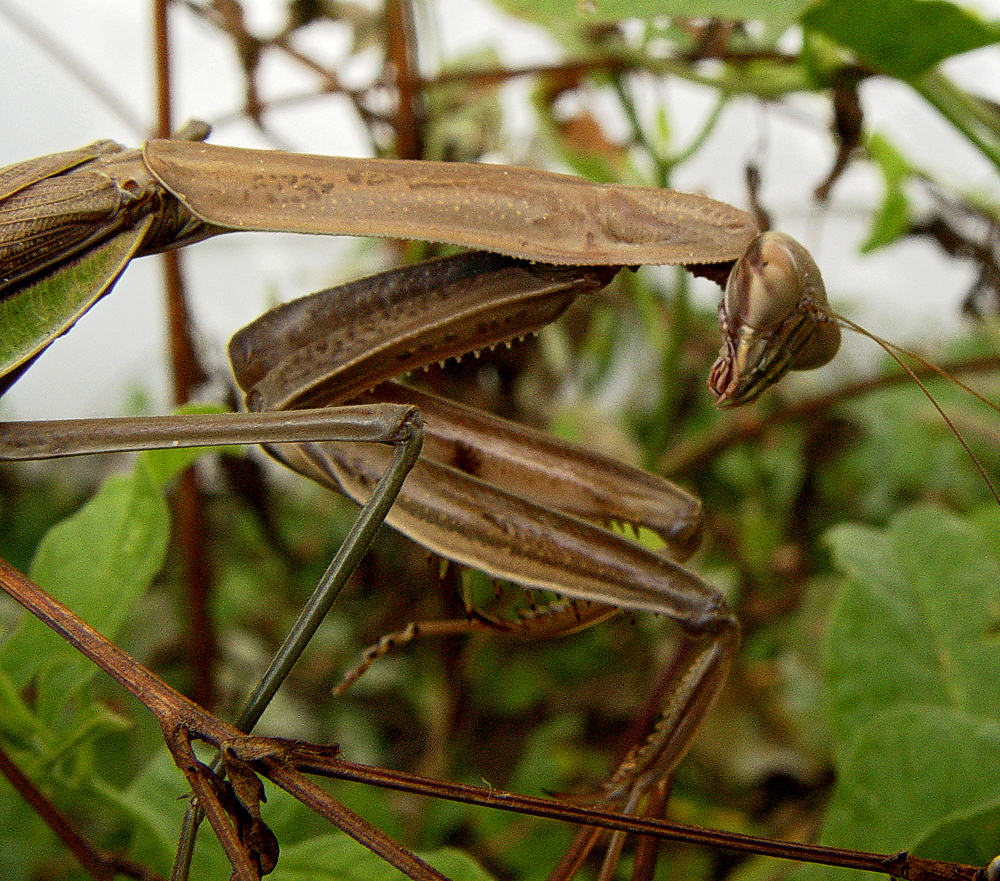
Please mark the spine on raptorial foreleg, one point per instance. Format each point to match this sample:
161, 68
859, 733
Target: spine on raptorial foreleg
500, 504
327, 347
332, 346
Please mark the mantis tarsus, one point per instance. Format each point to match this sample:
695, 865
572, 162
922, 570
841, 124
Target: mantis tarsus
98, 207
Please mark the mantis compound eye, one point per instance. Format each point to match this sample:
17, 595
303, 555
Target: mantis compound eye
774, 317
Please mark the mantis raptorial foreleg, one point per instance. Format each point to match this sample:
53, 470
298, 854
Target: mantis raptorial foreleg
539, 529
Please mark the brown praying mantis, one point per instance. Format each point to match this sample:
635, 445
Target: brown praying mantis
317, 373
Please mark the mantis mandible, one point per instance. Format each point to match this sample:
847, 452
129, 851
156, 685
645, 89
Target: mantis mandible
486, 493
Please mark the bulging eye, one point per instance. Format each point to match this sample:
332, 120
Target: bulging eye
766, 285
776, 279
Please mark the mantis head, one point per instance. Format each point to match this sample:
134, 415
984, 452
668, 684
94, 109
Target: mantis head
774, 317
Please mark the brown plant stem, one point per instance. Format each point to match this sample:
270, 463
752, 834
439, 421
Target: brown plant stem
189, 500
403, 70
739, 426
899, 865
183, 721
284, 761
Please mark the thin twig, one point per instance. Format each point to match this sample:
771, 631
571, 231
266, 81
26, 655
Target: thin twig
189, 500
740, 426
181, 720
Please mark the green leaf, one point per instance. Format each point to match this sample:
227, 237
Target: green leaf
893, 217
165, 465
901, 38
155, 801
27, 842
916, 622
779, 13
17, 723
338, 857
913, 662
98, 563
974, 833
893, 785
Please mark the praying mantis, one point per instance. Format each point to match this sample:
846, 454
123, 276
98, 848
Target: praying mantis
485, 493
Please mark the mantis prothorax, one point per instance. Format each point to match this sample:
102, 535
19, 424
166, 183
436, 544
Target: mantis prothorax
486, 493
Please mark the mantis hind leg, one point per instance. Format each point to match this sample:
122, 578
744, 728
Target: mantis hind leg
547, 622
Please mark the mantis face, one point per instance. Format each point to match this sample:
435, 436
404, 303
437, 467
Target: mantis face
774, 317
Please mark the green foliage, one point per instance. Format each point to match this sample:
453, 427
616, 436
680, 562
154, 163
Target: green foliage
339, 858
894, 217
99, 563
780, 13
912, 663
901, 38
